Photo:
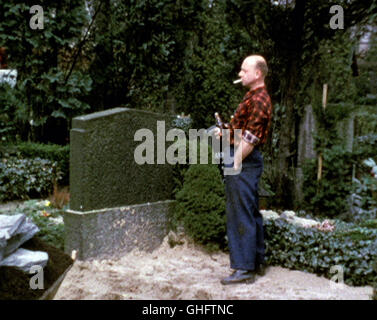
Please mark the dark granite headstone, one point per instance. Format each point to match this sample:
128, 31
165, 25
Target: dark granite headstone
103, 171
116, 204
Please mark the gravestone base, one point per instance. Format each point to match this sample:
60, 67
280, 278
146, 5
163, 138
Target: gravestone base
113, 232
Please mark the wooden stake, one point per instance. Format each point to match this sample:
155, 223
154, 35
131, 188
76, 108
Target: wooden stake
319, 173
320, 157
324, 96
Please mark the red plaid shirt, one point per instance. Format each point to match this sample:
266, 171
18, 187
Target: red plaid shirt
253, 116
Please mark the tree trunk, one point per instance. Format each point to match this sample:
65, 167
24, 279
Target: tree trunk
287, 146
284, 186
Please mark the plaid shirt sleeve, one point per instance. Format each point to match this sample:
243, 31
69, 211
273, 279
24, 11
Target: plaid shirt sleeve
253, 116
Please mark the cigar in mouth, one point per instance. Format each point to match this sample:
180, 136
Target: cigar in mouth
237, 81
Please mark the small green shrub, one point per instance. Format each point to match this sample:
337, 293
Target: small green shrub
201, 206
181, 168
52, 152
328, 196
314, 251
26, 178
334, 195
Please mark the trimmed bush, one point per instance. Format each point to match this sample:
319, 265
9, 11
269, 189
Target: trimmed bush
180, 169
316, 251
52, 152
201, 206
26, 178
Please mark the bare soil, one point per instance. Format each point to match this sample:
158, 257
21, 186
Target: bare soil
188, 272
15, 284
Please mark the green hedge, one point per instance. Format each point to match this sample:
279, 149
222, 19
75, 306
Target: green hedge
52, 152
316, 251
26, 178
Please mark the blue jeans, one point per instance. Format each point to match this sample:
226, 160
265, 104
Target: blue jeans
244, 221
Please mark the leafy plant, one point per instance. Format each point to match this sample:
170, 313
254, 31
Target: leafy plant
316, 252
327, 197
346, 188
48, 93
52, 152
201, 206
26, 178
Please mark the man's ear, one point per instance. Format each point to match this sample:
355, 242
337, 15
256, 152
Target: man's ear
258, 73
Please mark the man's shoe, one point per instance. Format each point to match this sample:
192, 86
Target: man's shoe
239, 276
260, 270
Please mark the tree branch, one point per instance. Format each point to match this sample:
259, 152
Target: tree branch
81, 44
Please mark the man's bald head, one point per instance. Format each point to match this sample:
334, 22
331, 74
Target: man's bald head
253, 71
259, 62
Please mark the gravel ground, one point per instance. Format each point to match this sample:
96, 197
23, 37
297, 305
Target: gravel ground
187, 272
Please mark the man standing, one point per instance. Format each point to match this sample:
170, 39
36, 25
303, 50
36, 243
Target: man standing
244, 221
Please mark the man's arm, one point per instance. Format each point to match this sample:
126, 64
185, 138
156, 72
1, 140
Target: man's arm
241, 152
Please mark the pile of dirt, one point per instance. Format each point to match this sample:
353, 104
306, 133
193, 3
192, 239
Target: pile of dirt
15, 284
188, 272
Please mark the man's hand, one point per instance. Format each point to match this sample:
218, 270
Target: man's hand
217, 133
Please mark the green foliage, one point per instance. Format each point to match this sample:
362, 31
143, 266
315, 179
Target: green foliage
49, 232
328, 196
314, 251
201, 206
367, 80
212, 61
195, 149
334, 195
47, 93
359, 234
366, 145
336, 53
26, 178
48, 220
137, 49
270, 152
183, 123
328, 122
179, 169
366, 120
363, 200
369, 224
54, 153
8, 118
